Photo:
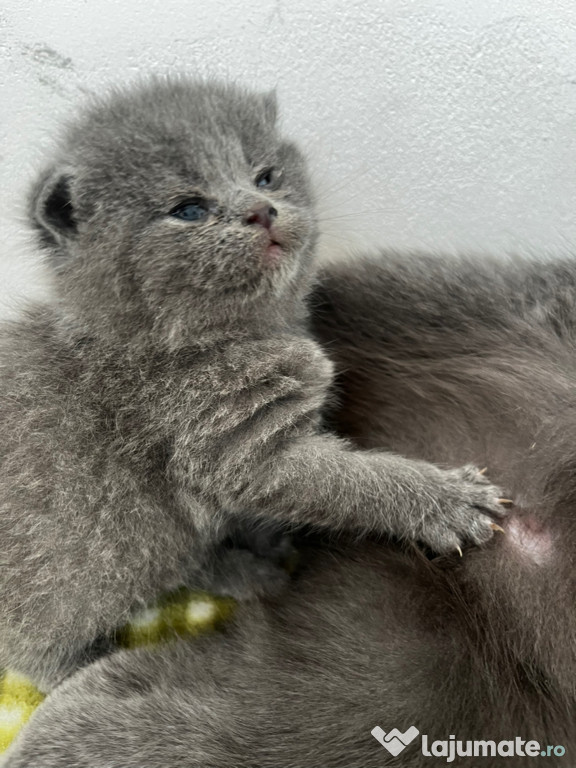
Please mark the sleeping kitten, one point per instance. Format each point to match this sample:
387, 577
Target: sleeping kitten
173, 392
441, 358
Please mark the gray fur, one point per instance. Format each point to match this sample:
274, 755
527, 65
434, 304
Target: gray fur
173, 390
441, 359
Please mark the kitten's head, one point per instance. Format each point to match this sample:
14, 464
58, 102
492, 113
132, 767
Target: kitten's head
176, 199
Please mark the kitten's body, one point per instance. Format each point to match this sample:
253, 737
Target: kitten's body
475, 361
172, 391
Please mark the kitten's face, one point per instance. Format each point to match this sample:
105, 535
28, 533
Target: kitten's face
180, 189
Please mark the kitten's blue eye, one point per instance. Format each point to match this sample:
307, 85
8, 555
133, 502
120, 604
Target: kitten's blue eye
191, 210
265, 178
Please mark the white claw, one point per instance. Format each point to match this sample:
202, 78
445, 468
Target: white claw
497, 528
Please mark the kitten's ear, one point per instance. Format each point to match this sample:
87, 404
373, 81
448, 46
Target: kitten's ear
52, 207
270, 107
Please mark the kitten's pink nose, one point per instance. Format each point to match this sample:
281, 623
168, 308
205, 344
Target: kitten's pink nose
263, 216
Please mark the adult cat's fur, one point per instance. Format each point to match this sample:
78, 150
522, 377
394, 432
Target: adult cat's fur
441, 359
173, 391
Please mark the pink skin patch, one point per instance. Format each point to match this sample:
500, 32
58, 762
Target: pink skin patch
529, 538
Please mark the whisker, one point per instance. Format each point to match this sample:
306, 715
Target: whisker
330, 200
356, 214
339, 238
351, 177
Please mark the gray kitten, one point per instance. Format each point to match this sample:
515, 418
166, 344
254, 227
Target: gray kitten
173, 391
443, 359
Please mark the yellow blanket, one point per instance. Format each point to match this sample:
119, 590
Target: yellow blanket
181, 614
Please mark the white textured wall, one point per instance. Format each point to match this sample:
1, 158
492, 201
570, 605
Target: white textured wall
430, 123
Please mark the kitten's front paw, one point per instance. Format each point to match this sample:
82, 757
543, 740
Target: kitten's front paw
466, 508
244, 576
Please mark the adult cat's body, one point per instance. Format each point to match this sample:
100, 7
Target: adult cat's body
173, 391
441, 359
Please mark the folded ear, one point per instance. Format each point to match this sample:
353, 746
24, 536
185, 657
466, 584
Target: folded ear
52, 207
270, 107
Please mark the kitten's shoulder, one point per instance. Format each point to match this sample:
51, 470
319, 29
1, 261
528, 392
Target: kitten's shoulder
39, 345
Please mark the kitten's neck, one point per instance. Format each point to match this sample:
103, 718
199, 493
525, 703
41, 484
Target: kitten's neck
133, 334
193, 319
214, 331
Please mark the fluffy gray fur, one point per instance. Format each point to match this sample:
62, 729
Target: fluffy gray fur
173, 390
441, 359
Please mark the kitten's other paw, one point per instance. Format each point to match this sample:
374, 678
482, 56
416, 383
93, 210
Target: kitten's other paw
274, 545
462, 509
243, 575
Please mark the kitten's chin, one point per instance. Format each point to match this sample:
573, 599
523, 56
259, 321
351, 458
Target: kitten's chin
274, 250
273, 255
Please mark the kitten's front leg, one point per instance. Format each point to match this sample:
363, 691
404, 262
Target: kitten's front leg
319, 481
